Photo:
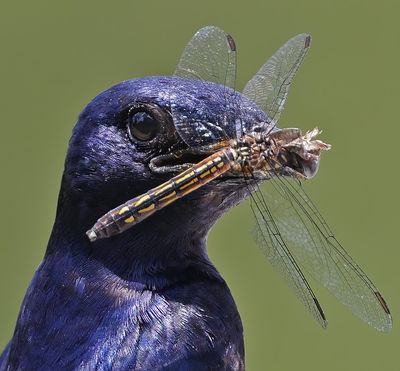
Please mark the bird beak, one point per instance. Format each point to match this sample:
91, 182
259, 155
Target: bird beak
178, 161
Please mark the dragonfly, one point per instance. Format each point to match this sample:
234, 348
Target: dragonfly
289, 229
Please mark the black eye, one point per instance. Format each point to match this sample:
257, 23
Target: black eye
142, 126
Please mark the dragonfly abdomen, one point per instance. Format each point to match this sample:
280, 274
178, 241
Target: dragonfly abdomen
135, 210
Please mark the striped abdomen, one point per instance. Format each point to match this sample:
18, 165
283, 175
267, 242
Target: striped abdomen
134, 211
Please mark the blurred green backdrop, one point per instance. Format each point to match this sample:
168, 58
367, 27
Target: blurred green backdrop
55, 56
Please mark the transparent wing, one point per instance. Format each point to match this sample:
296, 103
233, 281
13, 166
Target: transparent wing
211, 56
270, 85
308, 238
273, 245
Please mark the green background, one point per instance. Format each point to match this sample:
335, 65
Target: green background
56, 56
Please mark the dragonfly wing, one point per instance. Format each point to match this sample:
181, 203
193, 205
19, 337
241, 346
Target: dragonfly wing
211, 56
313, 245
199, 122
270, 85
272, 244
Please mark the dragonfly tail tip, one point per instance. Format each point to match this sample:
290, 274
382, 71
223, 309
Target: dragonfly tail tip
91, 235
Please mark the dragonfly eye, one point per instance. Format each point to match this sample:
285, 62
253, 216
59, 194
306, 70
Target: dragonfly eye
144, 122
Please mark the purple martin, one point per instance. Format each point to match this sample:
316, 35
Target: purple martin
148, 299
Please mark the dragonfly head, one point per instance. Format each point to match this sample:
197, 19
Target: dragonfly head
296, 154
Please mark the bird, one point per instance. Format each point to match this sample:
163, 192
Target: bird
150, 298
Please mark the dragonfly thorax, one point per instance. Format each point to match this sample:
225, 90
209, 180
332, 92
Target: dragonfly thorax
254, 153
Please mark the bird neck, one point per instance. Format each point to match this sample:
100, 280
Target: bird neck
159, 251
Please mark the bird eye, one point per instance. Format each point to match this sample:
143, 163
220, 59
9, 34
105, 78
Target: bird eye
142, 126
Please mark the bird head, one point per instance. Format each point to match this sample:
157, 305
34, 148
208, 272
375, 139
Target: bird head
119, 136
